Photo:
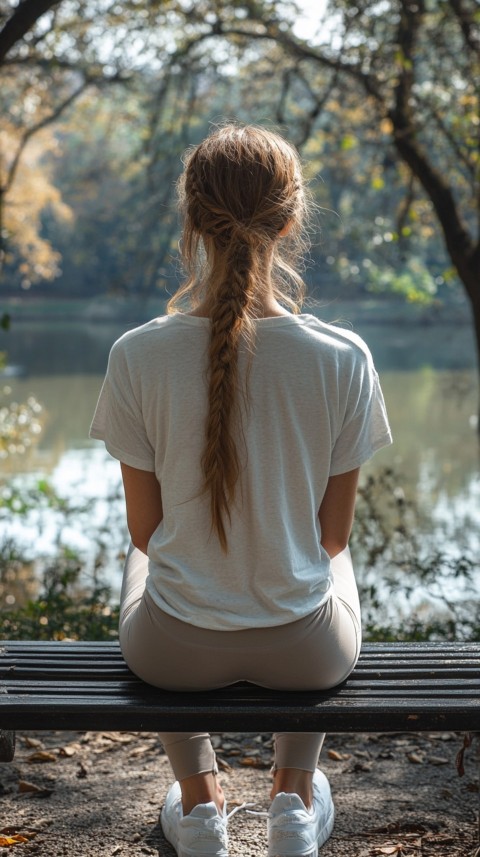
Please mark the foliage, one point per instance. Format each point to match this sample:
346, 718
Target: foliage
342, 94
60, 594
30, 197
64, 608
405, 587
409, 588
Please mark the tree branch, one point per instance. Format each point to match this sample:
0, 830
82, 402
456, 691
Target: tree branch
318, 102
460, 153
467, 25
300, 50
28, 134
26, 14
457, 237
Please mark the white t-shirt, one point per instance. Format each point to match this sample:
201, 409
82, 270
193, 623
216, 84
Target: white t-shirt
315, 410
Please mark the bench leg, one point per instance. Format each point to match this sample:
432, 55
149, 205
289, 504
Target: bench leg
477, 852
7, 745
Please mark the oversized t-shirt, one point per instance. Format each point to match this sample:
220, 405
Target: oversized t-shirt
313, 408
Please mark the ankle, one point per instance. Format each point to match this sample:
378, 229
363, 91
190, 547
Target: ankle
293, 781
201, 788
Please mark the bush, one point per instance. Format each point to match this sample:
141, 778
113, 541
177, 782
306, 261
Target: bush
405, 581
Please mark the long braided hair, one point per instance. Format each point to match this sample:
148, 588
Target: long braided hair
240, 188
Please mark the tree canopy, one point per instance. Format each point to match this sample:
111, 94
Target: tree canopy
381, 97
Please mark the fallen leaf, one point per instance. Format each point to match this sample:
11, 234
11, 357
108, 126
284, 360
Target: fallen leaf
69, 750
415, 758
254, 762
389, 849
118, 737
338, 757
12, 840
34, 742
139, 751
25, 786
438, 760
42, 756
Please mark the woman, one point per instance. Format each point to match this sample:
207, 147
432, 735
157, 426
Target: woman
240, 426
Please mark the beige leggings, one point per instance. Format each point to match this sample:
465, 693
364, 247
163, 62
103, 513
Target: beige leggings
314, 653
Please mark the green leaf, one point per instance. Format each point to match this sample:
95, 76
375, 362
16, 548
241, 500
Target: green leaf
348, 142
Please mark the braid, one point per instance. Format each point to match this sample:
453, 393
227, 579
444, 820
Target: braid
239, 189
230, 322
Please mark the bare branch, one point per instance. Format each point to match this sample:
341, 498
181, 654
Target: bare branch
460, 153
28, 134
301, 50
319, 100
471, 34
26, 14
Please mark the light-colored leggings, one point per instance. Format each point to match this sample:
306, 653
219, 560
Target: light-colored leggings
314, 653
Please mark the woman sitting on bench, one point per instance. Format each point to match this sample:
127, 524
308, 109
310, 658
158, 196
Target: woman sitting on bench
240, 425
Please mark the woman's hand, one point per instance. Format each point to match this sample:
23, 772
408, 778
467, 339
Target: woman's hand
143, 498
337, 511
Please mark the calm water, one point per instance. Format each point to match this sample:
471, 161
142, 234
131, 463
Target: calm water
427, 375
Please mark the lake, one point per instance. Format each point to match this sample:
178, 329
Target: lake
429, 380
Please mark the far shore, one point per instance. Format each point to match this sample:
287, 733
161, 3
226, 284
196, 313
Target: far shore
116, 310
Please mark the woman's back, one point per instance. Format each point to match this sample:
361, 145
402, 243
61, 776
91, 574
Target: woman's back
311, 408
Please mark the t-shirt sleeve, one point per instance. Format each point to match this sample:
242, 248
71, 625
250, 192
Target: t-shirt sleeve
365, 428
118, 419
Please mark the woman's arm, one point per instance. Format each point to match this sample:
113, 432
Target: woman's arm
143, 499
337, 511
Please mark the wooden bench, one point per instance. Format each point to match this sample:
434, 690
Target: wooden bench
395, 687
87, 686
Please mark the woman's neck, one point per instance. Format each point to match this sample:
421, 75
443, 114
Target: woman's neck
266, 305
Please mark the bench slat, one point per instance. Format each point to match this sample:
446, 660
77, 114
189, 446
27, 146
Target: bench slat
136, 715
353, 687
87, 685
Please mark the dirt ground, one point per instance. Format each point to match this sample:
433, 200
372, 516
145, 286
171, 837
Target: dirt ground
99, 794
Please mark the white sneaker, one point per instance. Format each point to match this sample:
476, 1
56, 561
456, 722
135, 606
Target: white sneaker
294, 830
202, 833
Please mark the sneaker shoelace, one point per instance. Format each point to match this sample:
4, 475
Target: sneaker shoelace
262, 813
236, 809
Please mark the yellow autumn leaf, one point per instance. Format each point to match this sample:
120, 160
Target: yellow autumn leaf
5, 841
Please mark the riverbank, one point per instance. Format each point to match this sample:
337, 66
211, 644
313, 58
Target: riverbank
104, 310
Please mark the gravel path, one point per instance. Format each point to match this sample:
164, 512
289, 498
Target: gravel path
98, 795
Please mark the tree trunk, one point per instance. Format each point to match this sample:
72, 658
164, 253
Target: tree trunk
475, 305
